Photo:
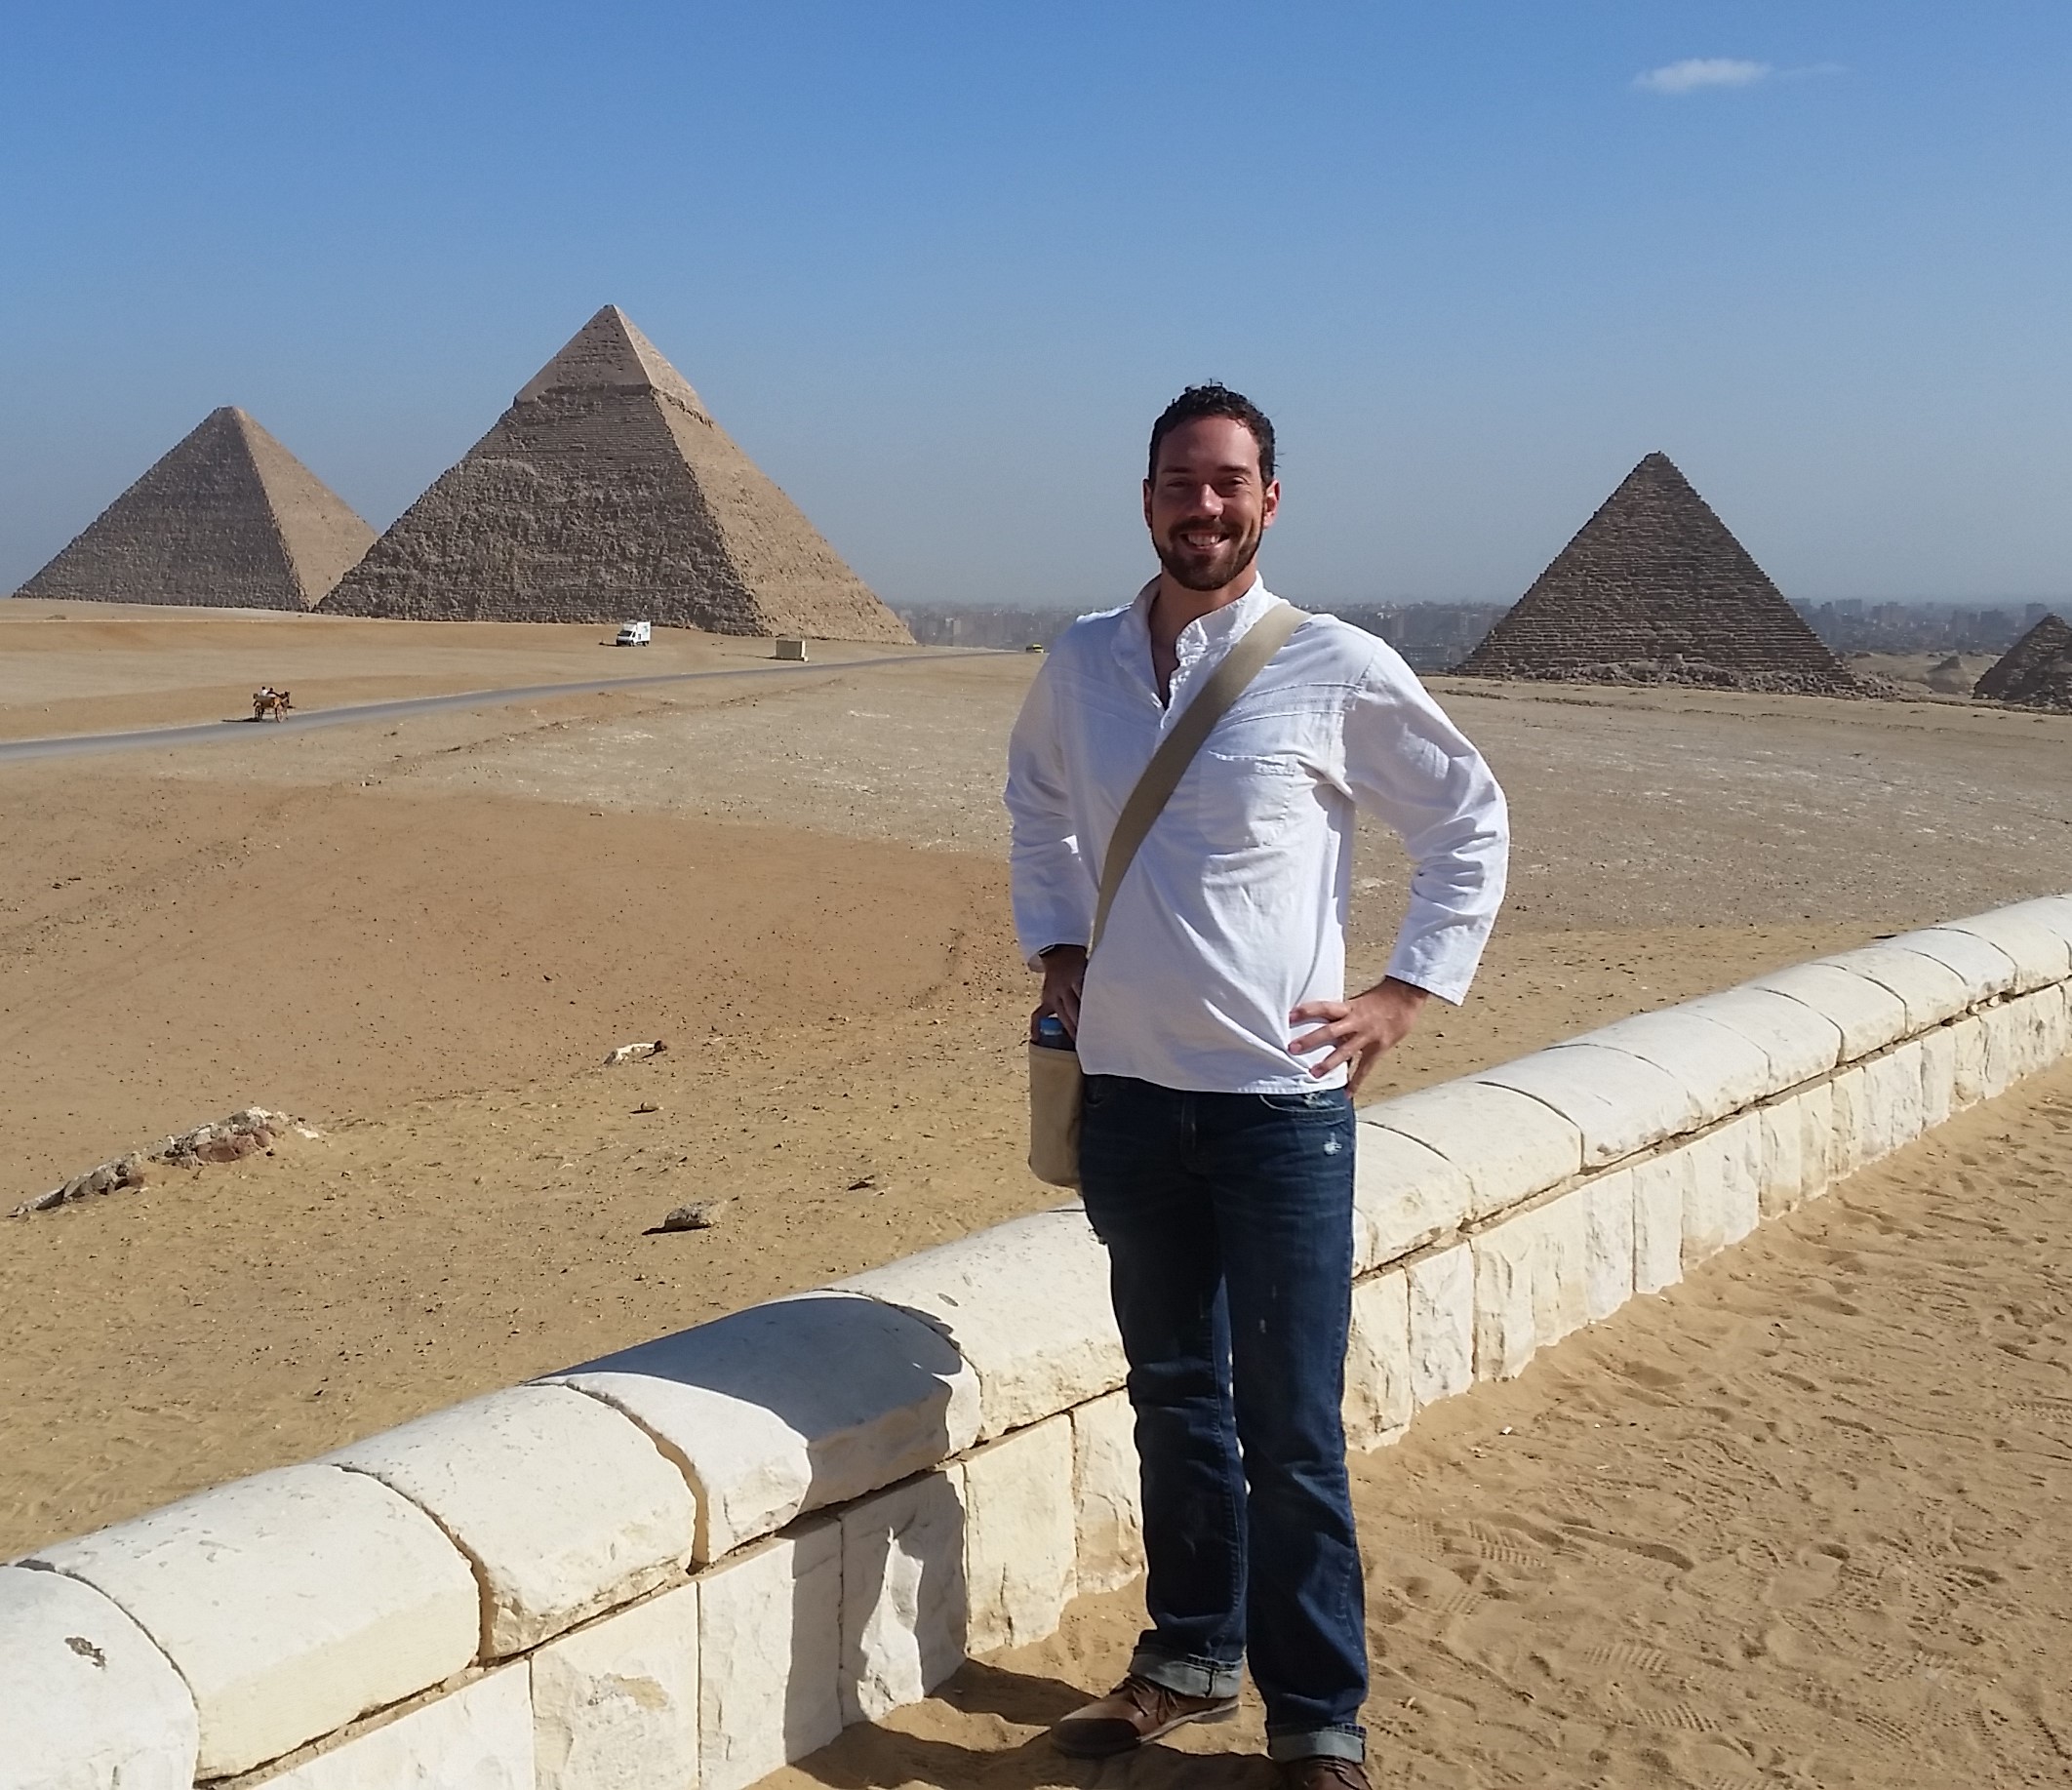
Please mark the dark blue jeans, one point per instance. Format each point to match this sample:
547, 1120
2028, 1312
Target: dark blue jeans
1228, 1222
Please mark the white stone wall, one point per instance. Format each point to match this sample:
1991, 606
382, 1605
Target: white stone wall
696, 1561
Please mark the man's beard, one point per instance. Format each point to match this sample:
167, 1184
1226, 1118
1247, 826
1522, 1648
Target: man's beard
1223, 564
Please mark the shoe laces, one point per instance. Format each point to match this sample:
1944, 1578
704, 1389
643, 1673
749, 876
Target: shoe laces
1154, 1698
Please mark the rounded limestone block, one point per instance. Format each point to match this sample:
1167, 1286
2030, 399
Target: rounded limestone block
89, 1701
290, 1603
565, 1506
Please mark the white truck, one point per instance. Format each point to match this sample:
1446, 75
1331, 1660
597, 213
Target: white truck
636, 634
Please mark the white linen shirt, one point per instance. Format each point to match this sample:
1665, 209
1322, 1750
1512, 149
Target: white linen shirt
1234, 910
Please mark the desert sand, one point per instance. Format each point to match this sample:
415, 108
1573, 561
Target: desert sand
1797, 1521
423, 938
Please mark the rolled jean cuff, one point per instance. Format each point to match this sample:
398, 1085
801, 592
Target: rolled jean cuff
1318, 1743
1186, 1677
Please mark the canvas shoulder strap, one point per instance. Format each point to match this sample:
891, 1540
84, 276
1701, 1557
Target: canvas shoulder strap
1244, 661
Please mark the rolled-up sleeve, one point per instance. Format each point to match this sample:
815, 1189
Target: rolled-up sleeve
1410, 767
1054, 891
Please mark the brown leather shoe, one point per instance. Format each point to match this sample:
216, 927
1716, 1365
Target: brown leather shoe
1322, 1771
1136, 1711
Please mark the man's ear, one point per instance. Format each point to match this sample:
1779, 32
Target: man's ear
1147, 503
1269, 506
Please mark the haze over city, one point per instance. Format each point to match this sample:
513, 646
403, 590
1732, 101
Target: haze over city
935, 268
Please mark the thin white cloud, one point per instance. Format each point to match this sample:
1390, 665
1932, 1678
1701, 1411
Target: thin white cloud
1696, 71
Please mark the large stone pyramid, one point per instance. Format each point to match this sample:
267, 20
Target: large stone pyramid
606, 492
2036, 670
228, 517
1655, 589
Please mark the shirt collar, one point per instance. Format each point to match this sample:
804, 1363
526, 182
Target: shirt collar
1212, 633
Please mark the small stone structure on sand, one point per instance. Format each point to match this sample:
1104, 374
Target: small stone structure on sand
1655, 589
228, 518
232, 1139
2037, 670
608, 491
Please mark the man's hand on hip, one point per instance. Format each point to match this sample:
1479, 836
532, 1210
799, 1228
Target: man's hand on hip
1064, 974
1356, 1031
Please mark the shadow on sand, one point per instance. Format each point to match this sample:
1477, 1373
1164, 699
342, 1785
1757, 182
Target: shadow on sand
874, 1757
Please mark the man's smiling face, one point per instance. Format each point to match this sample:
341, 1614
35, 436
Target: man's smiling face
1207, 505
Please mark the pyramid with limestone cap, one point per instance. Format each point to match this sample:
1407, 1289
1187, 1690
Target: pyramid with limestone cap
228, 517
607, 492
1655, 589
2036, 671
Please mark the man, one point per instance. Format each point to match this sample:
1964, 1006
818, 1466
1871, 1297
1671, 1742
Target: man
1217, 1152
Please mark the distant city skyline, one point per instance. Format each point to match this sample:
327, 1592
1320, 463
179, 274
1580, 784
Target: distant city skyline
936, 269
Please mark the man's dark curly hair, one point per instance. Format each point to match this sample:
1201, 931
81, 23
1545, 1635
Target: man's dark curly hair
1213, 400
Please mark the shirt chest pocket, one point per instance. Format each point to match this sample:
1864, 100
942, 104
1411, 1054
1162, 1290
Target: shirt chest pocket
1232, 804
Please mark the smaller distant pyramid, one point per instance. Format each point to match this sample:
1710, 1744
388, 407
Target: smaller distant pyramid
1655, 589
228, 518
606, 491
2037, 670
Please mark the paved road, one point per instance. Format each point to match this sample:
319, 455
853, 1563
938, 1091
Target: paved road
77, 745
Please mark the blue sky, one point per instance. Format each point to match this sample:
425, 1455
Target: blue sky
936, 266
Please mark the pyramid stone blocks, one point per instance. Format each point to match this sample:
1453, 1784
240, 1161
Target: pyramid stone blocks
606, 491
2036, 671
228, 518
1655, 589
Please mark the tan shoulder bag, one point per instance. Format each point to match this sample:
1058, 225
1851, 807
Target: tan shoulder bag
1056, 1085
